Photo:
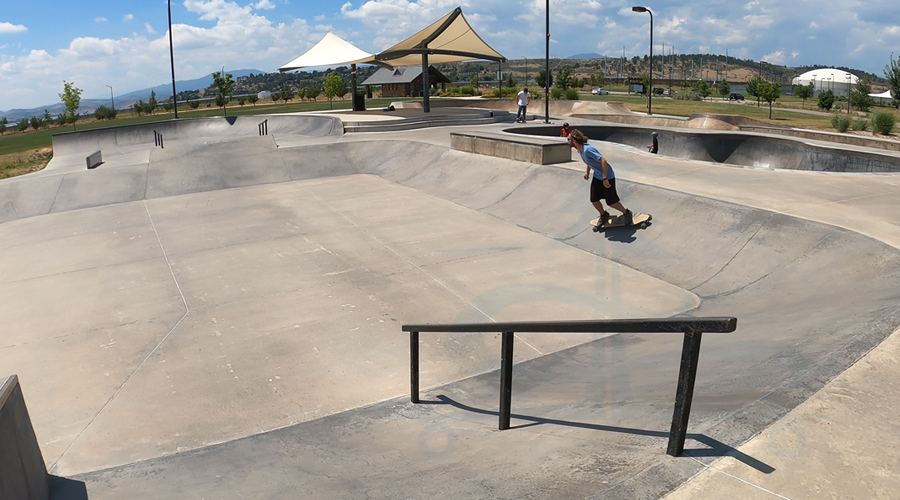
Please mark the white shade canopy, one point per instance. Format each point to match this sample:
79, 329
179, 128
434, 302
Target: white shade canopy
331, 50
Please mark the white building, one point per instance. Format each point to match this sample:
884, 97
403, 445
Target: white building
836, 80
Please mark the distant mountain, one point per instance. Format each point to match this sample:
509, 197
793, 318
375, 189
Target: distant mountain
123, 101
164, 91
587, 55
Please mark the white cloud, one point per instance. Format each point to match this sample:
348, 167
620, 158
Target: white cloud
128, 17
8, 28
149, 29
263, 5
100, 20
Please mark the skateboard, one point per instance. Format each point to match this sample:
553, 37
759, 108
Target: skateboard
640, 220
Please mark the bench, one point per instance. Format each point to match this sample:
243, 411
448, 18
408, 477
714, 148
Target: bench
94, 159
537, 150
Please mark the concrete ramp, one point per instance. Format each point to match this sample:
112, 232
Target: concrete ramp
112, 140
233, 328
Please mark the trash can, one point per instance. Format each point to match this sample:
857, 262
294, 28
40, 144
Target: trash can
359, 101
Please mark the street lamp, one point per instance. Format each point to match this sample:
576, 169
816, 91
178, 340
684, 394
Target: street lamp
849, 81
832, 83
759, 74
111, 98
650, 90
172, 59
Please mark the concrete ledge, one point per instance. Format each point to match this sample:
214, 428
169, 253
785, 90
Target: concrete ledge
94, 159
23, 474
537, 150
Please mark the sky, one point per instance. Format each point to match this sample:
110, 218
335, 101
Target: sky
97, 44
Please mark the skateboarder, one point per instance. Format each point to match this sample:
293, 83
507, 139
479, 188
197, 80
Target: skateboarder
565, 130
654, 146
522, 98
603, 185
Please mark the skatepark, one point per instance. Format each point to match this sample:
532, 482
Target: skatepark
221, 316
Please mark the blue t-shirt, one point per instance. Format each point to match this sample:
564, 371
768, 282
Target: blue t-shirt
591, 156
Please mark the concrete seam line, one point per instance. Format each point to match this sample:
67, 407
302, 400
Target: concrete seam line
732, 476
187, 311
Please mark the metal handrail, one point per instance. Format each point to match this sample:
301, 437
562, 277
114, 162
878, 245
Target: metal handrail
692, 328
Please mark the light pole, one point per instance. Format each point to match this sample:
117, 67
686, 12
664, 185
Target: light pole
525, 84
832, 83
650, 90
547, 70
172, 59
111, 98
759, 74
849, 81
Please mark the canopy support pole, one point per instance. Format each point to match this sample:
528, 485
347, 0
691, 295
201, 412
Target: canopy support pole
426, 104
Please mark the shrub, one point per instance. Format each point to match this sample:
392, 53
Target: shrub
840, 122
572, 94
860, 124
194, 104
688, 96
555, 93
467, 90
883, 122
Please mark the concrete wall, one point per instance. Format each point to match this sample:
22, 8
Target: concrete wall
23, 475
531, 150
86, 142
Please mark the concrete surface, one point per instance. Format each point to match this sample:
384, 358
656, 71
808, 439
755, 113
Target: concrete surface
536, 150
232, 330
22, 471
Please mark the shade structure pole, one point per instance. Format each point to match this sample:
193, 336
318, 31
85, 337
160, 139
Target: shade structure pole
426, 104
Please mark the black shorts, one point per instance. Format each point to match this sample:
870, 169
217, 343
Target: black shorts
599, 192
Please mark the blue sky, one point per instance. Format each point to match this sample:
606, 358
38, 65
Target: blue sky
97, 43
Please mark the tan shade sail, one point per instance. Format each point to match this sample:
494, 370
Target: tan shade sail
449, 39
331, 50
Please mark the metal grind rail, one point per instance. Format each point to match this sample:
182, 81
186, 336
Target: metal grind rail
692, 328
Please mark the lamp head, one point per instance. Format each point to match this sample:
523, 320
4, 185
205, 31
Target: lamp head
639, 9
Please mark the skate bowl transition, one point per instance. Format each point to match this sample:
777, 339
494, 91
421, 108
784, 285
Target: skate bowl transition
737, 148
224, 318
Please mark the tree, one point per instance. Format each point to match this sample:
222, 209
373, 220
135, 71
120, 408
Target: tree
804, 92
564, 77
152, 103
224, 83
541, 76
826, 100
138, 107
859, 95
892, 73
36, 122
312, 92
753, 87
287, 93
48, 118
334, 86
702, 87
644, 80
474, 80
3, 123
769, 92
253, 98
22, 125
71, 97
724, 89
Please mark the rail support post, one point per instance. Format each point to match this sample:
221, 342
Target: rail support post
506, 373
687, 375
414, 367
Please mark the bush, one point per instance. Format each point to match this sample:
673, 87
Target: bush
467, 90
826, 100
105, 113
688, 96
556, 93
840, 122
572, 94
883, 122
860, 125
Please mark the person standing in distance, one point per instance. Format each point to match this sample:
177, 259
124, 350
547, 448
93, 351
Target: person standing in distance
654, 147
522, 98
565, 130
603, 184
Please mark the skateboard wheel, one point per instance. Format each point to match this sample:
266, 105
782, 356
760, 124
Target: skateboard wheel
644, 225
595, 229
